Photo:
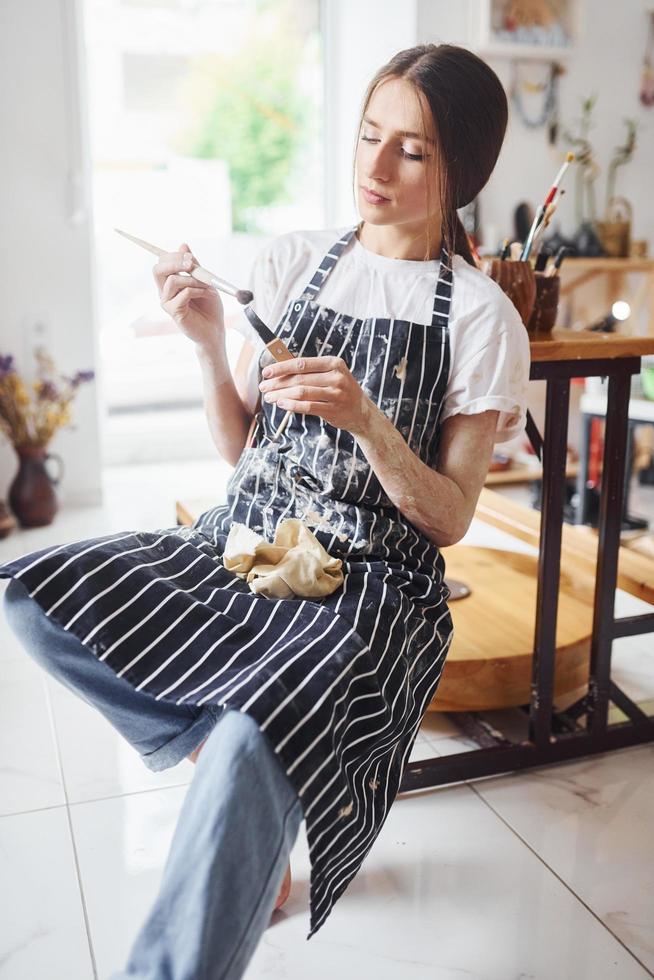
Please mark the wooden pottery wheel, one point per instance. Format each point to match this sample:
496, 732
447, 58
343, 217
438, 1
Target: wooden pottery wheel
489, 664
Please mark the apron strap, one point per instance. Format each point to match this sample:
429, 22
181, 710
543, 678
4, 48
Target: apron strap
443, 294
326, 266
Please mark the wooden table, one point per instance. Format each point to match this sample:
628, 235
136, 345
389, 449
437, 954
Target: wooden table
558, 736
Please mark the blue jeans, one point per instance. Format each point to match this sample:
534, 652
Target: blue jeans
237, 826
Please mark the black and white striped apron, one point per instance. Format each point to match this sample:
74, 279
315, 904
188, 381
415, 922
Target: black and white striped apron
338, 684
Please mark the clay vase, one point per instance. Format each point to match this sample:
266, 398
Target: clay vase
32, 495
546, 307
518, 281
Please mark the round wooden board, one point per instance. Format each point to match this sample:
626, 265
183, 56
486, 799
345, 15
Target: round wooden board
489, 664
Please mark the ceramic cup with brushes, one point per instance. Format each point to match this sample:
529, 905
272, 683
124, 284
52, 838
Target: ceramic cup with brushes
518, 281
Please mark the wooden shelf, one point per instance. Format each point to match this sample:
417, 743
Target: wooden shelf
609, 265
522, 473
591, 286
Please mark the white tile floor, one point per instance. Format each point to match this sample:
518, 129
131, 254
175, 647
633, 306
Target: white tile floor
547, 874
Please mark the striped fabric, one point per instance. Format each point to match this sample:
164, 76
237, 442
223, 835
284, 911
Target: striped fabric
338, 684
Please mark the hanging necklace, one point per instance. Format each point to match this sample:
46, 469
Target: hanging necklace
548, 88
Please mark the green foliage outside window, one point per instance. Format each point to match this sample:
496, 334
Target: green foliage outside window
250, 113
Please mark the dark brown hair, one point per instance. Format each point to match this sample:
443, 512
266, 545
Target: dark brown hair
469, 108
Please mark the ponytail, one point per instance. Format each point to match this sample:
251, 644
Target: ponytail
455, 239
460, 244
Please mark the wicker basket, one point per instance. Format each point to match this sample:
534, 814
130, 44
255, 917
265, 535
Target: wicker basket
615, 232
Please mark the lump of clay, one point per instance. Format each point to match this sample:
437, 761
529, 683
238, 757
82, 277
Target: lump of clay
294, 564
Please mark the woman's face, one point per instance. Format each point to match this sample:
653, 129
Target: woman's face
391, 161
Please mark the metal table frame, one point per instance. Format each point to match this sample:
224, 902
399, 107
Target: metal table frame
557, 736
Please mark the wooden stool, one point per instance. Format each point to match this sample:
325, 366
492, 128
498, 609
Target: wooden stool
476, 675
489, 664
578, 543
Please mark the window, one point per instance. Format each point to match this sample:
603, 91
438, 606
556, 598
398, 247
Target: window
206, 127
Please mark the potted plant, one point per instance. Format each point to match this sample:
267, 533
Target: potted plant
29, 418
610, 234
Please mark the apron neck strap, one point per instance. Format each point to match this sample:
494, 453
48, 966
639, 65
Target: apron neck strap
443, 293
328, 262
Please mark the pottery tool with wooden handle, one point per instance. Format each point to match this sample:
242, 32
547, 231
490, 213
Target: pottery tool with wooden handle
274, 344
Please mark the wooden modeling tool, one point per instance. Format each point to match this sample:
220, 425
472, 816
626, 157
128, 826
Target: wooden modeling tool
282, 426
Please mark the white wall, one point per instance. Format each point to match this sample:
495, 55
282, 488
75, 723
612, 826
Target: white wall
607, 62
45, 246
359, 37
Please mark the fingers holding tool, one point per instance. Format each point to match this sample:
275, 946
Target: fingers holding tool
322, 386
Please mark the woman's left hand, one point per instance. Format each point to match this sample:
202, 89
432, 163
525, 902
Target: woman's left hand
321, 386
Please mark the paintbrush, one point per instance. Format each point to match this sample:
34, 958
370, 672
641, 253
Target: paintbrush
549, 211
540, 214
274, 344
569, 158
558, 260
202, 275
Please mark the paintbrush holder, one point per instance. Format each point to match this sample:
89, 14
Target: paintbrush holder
517, 280
546, 305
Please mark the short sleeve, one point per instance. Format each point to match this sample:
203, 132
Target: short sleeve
490, 366
264, 282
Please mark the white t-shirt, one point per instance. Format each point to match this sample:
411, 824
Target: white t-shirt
489, 346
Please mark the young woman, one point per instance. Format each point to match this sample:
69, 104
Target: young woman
410, 364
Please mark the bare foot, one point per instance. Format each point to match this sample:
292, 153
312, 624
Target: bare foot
195, 753
285, 890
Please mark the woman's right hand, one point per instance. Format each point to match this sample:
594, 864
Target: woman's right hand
196, 308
